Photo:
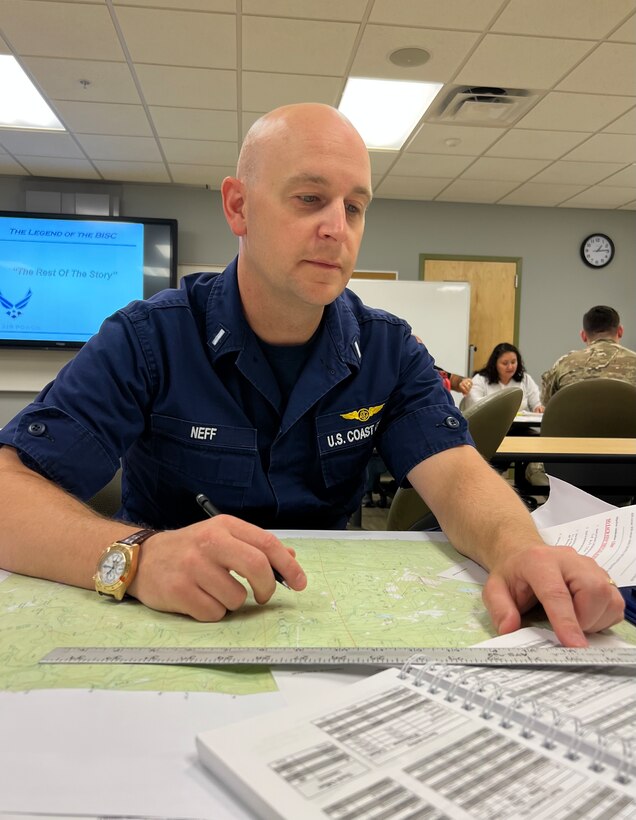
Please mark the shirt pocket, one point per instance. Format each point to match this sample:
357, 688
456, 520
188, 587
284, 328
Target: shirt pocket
213, 454
345, 445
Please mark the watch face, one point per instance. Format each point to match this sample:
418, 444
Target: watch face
597, 250
112, 567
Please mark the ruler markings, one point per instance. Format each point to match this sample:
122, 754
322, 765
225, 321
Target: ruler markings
373, 656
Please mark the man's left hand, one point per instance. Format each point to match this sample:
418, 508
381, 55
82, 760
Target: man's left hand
577, 595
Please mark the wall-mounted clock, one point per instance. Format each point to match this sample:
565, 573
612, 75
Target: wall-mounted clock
597, 250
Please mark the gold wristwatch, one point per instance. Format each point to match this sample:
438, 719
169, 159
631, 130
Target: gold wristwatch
117, 565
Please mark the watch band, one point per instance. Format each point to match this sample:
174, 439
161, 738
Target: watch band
137, 537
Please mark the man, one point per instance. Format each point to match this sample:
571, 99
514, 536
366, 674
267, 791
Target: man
265, 388
602, 358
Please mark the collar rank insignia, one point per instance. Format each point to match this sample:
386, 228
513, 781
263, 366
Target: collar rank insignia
363, 414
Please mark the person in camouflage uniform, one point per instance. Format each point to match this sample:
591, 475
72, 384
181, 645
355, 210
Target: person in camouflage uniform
602, 358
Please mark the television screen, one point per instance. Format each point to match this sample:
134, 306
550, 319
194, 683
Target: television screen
61, 276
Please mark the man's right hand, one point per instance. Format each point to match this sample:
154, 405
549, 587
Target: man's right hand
188, 570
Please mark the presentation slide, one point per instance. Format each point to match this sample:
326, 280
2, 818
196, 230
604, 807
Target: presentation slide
59, 279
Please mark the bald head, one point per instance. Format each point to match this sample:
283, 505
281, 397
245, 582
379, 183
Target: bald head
274, 132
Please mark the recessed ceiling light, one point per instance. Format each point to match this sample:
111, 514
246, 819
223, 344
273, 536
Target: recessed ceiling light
386, 111
21, 104
409, 57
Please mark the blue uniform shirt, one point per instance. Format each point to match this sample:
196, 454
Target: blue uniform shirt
179, 389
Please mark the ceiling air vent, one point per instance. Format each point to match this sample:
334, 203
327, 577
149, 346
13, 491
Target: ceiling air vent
482, 105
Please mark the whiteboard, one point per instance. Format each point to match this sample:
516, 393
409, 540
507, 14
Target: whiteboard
438, 312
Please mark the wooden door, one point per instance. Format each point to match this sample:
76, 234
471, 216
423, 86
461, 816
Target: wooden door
494, 308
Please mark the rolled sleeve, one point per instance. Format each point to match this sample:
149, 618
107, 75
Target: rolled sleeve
419, 435
58, 447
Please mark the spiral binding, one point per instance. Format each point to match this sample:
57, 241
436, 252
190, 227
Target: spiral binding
554, 727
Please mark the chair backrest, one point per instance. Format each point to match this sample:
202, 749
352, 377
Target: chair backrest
600, 408
488, 421
595, 407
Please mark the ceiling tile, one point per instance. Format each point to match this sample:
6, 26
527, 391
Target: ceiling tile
606, 148
463, 14
352, 10
210, 175
381, 161
521, 62
432, 139
104, 118
533, 193
130, 149
610, 69
630, 206
10, 166
200, 152
39, 144
585, 173
182, 38
188, 87
297, 46
48, 29
120, 171
183, 5
624, 125
627, 32
575, 112
263, 92
195, 123
566, 18
56, 167
60, 80
624, 178
447, 50
601, 197
472, 190
504, 170
526, 144
395, 187
431, 165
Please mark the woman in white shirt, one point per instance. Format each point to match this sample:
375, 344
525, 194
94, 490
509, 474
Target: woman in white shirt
504, 369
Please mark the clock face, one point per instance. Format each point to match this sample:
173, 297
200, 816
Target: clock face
597, 250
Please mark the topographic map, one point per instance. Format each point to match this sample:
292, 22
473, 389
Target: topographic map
361, 593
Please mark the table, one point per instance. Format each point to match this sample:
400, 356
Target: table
523, 449
559, 448
93, 751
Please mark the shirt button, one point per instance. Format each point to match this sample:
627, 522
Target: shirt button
451, 422
36, 428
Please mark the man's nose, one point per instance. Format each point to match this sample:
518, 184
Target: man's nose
334, 221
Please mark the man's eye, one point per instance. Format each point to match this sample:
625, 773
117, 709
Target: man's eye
353, 209
308, 198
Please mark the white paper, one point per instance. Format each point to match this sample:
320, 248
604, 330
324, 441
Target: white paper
608, 537
116, 753
567, 503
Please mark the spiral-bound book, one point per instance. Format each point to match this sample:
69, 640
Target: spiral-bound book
440, 742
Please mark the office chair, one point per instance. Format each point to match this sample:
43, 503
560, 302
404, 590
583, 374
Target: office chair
598, 408
108, 500
488, 421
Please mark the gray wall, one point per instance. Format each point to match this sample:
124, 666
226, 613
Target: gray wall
556, 287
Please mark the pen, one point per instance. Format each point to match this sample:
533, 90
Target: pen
204, 502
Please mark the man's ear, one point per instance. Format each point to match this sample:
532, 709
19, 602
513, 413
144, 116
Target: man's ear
584, 337
233, 193
619, 332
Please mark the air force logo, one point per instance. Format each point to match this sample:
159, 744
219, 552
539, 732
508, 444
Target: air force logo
363, 414
14, 310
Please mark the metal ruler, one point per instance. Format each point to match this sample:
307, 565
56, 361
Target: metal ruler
321, 656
